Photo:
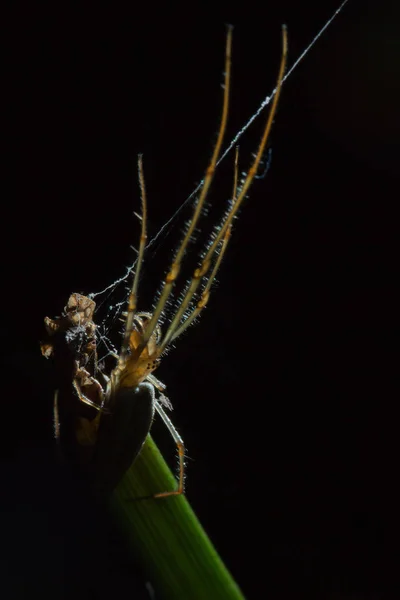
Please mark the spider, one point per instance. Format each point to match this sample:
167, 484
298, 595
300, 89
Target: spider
107, 410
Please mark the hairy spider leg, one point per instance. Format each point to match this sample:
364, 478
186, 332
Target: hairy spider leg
115, 377
220, 255
176, 327
181, 453
176, 264
167, 421
132, 302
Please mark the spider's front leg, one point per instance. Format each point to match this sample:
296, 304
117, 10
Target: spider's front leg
181, 454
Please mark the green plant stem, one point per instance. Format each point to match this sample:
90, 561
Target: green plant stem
166, 536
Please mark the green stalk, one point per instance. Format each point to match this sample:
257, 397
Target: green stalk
166, 536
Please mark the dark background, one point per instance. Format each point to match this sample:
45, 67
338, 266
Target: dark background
284, 390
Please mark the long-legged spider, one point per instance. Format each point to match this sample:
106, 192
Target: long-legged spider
127, 399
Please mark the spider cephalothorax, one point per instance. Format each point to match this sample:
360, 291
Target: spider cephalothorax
135, 368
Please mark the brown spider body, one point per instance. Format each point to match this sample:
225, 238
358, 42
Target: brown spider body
135, 369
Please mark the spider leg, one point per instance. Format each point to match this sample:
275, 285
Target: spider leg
159, 385
176, 332
176, 264
132, 302
202, 270
181, 453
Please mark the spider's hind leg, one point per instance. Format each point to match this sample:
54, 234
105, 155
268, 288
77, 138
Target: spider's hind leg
181, 454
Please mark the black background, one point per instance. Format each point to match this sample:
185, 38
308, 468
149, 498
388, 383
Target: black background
284, 390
